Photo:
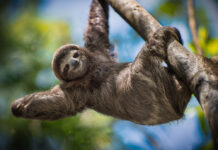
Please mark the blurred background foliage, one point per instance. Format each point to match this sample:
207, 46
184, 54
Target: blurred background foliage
28, 42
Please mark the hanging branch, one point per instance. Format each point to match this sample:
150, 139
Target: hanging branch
192, 25
200, 74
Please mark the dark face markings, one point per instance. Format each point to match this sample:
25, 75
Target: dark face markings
75, 55
66, 68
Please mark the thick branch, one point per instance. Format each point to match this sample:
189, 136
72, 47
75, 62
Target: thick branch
200, 74
192, 26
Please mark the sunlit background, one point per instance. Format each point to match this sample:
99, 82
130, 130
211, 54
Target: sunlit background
31, 31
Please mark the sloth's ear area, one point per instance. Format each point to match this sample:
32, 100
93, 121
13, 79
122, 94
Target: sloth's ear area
47, 105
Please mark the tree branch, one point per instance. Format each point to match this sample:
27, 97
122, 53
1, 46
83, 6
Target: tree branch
192, 25
200, 74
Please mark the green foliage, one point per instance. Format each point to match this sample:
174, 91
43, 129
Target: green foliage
30, 49
67, 133
208, 45
73, 133
212, 47
170, 8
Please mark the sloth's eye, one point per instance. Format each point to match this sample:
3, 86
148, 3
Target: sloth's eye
66, 68
75, 55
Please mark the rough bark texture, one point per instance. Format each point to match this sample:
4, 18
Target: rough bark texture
200, 74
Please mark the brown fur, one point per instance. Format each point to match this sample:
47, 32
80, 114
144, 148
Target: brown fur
142, 91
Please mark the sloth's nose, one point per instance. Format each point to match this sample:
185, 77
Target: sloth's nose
16, 109
74, 62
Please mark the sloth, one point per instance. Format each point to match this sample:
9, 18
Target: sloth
143, 91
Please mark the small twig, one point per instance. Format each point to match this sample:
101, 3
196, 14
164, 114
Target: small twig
192, 25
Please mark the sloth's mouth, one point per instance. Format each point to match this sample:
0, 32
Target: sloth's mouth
76, 65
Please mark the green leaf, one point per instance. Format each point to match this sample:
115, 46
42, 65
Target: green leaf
169, 8
212, 47
202, 35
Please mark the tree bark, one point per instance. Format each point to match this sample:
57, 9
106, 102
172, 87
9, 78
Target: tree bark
200, 74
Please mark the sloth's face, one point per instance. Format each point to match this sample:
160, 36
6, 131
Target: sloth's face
70, 62
73, 65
